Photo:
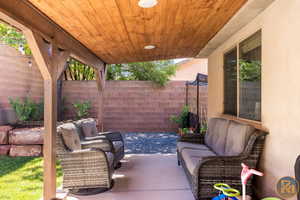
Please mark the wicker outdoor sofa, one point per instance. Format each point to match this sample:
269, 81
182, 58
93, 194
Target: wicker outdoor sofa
88, 162
216, 157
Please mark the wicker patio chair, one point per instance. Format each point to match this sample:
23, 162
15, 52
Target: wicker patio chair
115, 139
118, 145
87, 170
212, 167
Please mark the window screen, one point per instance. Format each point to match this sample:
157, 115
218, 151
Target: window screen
230, 82
250, 77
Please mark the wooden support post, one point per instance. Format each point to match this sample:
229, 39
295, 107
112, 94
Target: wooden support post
51, 62
100, 110
101, 72
50, 59
101, 79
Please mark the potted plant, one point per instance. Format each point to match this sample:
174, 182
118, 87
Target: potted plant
203, 128
82, 109
182, 121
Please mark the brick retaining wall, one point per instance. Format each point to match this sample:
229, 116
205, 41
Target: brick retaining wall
21, 142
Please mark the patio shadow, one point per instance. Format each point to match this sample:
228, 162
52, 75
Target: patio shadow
9, 164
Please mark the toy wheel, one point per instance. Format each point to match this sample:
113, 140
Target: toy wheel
221, 186
230, 192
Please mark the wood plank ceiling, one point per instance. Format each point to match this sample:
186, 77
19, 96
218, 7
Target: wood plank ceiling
118, 30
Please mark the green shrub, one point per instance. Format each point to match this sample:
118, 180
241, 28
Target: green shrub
27, 110
64, 108
38, 111
203, 128
82, 109
182, 118
185, 130
14, 38
250, 70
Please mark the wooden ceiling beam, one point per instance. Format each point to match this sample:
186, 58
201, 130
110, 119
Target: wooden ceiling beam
23, 15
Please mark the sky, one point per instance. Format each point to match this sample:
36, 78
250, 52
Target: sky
179, 60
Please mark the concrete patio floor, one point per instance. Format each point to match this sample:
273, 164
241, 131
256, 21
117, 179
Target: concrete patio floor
147, 177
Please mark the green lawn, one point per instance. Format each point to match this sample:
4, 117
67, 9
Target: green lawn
21, 178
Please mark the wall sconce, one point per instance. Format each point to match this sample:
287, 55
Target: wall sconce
30, 63
21, 49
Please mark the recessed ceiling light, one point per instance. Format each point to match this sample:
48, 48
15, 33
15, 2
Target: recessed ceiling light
148, 47
147, 3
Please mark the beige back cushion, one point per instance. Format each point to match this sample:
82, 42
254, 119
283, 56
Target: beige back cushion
237, 138
70, 136
216, 135
89, 128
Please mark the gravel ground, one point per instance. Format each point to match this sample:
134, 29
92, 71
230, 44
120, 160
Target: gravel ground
150, 143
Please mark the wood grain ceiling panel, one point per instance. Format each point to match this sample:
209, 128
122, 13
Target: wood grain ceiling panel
118, 30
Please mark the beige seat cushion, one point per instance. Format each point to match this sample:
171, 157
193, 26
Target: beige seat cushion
70, 136
118, 145
102, 144
237, 138
110, 157
182, 145
192, 157
215, 138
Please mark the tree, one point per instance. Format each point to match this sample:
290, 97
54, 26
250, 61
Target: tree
78, 71
158, 72
14, 38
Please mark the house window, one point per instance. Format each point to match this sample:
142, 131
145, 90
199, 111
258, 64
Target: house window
230, 80
243, 101
250, 78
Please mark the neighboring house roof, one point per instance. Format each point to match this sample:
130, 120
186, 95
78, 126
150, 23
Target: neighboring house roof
187, 60
189, 68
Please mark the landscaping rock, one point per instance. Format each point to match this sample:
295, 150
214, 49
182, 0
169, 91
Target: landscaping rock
25, 150
4, 134
26, 136
4, 149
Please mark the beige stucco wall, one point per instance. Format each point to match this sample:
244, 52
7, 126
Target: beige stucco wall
188, 70
280, 24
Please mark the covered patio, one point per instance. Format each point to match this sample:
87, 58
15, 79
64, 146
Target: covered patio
104, 32
138, 178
